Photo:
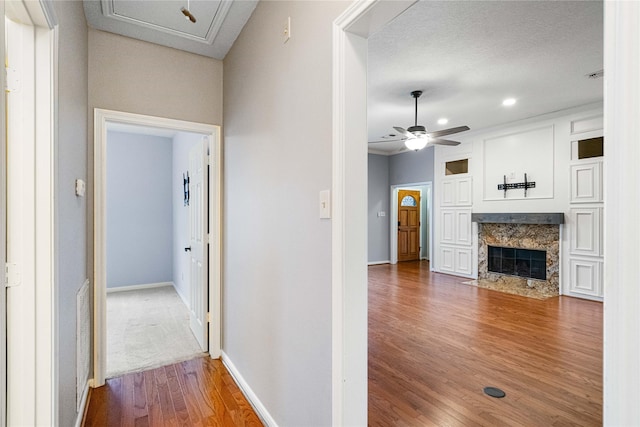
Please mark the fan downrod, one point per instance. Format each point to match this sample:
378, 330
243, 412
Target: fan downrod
417, 129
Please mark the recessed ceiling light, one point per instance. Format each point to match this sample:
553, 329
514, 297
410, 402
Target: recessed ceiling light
443, 121
509, 102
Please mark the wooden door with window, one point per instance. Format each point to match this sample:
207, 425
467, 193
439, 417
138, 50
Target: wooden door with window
408, 225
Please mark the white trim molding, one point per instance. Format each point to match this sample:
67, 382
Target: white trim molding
349, 205
32, 380
139, 287
621, 379
248, 392
379, 262
83, 405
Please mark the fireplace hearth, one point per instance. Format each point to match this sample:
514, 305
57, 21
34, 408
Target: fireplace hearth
519, 253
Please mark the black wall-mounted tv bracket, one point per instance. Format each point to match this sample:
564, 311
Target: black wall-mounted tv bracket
513, 186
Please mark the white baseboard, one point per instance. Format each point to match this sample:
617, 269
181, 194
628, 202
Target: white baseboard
257, 405
83, 405
378, 262
138, 287
181, 295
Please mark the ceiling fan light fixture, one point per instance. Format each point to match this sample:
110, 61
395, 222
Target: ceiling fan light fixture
416, 144
417, 136
417, 130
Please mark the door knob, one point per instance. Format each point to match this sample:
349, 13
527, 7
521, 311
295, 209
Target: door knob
187, 249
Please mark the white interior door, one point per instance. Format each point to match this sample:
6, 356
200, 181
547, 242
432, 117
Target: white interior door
198, 191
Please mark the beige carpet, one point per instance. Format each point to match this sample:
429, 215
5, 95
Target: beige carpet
146, 329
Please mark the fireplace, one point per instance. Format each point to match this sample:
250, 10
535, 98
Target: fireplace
529, 263
519, 253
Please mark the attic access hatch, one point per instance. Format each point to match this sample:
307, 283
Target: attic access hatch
162, 22
166, 16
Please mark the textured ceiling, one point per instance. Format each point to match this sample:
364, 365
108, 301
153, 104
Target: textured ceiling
467, 56
218, 23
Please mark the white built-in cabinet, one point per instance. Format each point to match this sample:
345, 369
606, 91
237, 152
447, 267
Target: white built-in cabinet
456, 238
585, 223
586, 182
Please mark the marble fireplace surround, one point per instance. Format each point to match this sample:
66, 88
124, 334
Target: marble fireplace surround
540, 231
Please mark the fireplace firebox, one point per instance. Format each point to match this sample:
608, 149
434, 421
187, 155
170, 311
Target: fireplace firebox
528, 263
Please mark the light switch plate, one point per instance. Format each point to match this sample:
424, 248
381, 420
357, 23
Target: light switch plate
325, 204
286, 31
80, 187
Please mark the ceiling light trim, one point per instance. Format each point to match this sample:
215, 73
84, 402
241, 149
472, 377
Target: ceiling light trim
221, 12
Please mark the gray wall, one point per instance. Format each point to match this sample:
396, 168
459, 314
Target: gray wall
411, 167
139, 209
277, 263
406, 168
70, 212
139, 77
182, 144
378, 200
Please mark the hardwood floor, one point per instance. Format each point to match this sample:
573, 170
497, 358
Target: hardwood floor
198, 392
435, 343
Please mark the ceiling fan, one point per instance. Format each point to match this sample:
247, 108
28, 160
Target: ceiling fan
416, 137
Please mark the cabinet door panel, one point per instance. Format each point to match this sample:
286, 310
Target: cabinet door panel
586, 277
448, 192
585, 231
463, 227
463, 192
447, 259
463, 260
586, 182
448, 226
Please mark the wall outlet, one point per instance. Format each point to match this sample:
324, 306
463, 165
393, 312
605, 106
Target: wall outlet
382, 214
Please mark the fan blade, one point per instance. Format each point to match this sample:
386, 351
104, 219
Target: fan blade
387, 140
444, 142
404, 132
445, 132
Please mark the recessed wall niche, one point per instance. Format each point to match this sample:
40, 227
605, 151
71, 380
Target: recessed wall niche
456, 167
592, 147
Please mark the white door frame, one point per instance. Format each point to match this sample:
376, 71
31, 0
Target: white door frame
621, 379
349, 205
621, 383
33, 402
3, 236
425, 211
102, 118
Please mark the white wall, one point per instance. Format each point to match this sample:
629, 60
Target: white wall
277, 262
139, 209
541, 147
182, 143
